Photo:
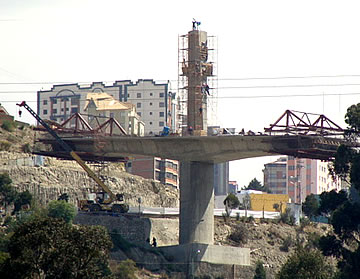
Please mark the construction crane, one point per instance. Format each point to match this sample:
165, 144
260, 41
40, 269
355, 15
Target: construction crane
100, 201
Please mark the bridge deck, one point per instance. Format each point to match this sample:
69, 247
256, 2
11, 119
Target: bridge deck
213, 149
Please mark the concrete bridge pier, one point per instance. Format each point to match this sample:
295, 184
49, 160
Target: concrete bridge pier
196, 236
196, 203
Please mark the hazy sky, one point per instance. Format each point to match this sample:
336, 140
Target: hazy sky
272, 55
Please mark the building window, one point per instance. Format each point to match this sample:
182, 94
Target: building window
151, 94
45, 111
74, 110
150, 104
161, 95
161, 123
54, 111
75, 101
150, 112
161, 114
138, 95
62, 109
150, 123
138, 105
45, 102
55, 101
161, 104
128, 95
139, 113
67, 109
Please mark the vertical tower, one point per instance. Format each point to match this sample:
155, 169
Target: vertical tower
193, 79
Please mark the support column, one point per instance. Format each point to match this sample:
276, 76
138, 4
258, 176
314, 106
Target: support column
196, 203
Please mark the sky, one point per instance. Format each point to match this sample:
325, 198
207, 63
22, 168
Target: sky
272, 55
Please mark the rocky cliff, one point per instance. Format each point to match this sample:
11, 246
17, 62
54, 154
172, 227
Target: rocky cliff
46, 178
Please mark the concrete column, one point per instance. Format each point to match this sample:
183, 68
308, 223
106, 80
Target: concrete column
196, 203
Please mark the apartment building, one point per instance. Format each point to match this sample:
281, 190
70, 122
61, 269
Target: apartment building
155, 104
165, 171
99, 107
275, 176
299, 177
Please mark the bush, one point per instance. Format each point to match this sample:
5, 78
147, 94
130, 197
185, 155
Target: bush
8, 125
125, 270
63, 210
240, 235
287, 243
26, 148
287, 217
260, 272
5, 145
305, 263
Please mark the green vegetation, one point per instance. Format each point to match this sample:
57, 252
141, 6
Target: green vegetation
240, 235
5, 145
51, 248
63, 210
306, 263
260, 272
26, 148
310, 206
256, 185
231, 201
9, 195
287, 218
125, 270
8, 125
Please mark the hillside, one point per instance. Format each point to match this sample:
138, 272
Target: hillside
47, 180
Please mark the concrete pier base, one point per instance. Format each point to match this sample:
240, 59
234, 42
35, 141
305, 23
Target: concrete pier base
215, 254
196, 224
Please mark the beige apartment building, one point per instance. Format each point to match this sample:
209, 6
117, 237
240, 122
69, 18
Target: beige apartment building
99, 107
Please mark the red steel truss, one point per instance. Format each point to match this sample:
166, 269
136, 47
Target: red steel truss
296, 122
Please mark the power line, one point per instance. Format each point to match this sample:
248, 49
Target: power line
107, 90
175, 80
240, 97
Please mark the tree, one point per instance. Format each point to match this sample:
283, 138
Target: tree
344, 210
62, 209
255, 184
51, 248
260, 272
352, 117
7, 192
329, 201
232, 201
310, 206
306, 263
22, 199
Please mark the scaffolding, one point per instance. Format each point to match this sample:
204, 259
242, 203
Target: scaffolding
203, 64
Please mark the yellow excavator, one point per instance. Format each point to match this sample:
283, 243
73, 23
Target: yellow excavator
104, 200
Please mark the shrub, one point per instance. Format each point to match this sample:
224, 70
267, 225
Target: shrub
305, 263
240, 235
287, 242
5, 145
287, 217
260, 272
8, 125
26, 148
62, 209
125, 270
